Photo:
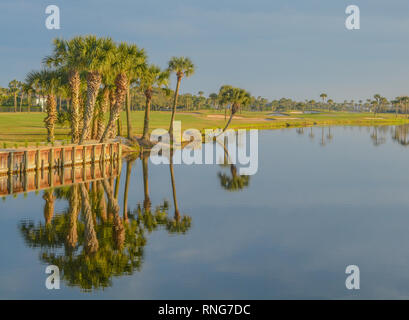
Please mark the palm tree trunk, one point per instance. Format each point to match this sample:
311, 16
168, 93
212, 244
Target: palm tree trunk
121, 85
93, 83
15, 101
102, 110
128, 112
233, 111
175, 101
51, 117
21, 101
148, 94
29, 102
75, 82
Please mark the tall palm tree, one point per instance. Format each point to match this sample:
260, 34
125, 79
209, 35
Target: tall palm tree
48, 82
152, 76
69, 56
126, 59
183, 67
97, 53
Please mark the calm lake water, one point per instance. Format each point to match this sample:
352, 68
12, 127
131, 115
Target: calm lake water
322, 199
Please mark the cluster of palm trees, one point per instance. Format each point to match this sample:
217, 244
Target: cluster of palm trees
98, 74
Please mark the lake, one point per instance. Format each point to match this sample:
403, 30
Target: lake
322, 199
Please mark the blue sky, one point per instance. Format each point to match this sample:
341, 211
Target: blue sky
281, 48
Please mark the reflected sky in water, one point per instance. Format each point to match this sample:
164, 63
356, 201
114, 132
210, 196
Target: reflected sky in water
323, 198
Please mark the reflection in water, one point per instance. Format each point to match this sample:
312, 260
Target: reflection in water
234, 182
400, 134
91, 242
377, 137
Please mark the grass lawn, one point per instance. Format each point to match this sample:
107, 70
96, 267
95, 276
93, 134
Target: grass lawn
28, 128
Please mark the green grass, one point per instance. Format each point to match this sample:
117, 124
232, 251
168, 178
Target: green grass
23, 129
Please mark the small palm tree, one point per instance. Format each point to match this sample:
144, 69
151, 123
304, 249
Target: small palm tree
237, 98
183, 67
69, 56
152, 76
48, 82
14, 89
323, 96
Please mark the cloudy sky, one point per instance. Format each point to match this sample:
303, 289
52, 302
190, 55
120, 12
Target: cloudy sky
275, 49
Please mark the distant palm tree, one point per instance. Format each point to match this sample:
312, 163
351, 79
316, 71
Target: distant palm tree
330, 102
183, 67
213, 98
151, 77
323, 96
223, 98
14, 89
237, 98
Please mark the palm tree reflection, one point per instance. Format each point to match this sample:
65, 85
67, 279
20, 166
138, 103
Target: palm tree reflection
234, 182
90, 241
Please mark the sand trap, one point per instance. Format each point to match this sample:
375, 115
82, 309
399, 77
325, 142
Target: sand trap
220, 116
374, 118
281, 118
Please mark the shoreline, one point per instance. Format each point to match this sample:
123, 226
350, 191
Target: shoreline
27, 131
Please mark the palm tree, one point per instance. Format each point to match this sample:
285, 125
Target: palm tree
213, 97
223, 98
14, 88
48, 82
330, 102
237, 98
97, 53
137, 67
69, 56
151, 77
323, 96
127, 57
183, 67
